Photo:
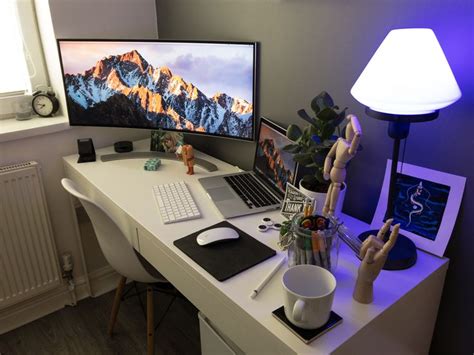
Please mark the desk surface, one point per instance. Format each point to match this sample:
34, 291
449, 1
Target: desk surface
129, 187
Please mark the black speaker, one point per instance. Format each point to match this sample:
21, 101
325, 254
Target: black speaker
86, 150
123, 146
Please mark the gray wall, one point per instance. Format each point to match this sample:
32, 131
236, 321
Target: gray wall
308, 46
104, 18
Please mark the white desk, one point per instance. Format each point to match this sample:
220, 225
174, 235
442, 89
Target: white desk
400, 321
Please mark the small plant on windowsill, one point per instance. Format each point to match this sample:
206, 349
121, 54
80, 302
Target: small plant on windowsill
312, 144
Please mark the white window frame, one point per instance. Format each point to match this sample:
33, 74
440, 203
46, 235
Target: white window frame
34, 54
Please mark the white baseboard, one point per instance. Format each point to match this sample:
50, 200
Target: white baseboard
102, 281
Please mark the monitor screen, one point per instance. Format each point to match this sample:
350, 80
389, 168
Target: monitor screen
276, 165
198, 87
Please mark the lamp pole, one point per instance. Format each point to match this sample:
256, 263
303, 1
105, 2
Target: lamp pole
398, 129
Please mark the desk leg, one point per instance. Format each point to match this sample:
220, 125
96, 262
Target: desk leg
149, 320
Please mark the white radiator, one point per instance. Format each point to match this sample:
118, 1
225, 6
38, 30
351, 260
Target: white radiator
28, 260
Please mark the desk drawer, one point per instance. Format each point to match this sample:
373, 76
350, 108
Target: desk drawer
213, 342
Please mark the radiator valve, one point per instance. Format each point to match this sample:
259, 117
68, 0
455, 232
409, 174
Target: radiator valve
68, 265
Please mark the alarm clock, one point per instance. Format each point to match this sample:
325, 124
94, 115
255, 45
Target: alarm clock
45, 104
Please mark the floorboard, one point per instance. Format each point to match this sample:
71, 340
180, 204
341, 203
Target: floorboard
83, 329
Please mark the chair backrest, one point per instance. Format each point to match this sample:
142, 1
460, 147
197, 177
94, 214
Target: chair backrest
116, 248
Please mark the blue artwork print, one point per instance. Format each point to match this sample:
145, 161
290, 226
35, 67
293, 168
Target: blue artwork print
419, 205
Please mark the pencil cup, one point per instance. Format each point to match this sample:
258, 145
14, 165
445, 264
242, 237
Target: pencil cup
313, 247
309, 294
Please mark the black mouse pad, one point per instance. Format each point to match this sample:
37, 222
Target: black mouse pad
227, 258
307, 335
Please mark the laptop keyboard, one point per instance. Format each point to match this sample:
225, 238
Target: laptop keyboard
251, 191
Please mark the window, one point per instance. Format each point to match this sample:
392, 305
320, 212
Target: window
13, 69
22, 68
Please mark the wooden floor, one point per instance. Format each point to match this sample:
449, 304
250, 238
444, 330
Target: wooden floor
83, 329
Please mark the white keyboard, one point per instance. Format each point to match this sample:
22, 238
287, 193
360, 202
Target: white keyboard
175, 203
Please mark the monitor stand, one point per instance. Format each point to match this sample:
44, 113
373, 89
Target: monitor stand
170, 156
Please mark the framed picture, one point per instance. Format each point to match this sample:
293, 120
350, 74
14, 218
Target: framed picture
166, 141
427, 203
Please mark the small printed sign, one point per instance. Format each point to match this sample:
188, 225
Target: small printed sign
294, 201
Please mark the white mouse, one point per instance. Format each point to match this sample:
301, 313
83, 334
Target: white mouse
215, 235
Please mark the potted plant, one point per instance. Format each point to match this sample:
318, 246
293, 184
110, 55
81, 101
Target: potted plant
312, 144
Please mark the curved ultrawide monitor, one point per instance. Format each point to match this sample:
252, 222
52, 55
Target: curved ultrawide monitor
198, 87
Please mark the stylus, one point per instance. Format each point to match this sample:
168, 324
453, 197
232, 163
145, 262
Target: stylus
267, 278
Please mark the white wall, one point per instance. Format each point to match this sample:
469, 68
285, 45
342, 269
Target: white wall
78, 19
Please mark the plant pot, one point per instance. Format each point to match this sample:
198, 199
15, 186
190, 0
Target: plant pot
320, 198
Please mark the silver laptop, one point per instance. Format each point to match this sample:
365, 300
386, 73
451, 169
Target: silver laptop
261, 189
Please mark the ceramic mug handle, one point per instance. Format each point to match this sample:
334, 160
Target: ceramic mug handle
298, 310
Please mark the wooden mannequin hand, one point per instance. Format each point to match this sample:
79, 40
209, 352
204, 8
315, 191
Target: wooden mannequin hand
374, 254
375, 241
374, 258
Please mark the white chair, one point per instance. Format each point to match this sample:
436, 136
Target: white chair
121, 256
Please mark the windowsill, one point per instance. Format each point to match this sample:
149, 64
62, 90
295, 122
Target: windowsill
11, 129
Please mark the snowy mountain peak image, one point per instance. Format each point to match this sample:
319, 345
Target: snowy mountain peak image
126, 90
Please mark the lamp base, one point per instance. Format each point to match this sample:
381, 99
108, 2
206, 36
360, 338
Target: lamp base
402, 256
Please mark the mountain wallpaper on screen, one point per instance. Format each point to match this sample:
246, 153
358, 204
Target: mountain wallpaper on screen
124, 90
269, 159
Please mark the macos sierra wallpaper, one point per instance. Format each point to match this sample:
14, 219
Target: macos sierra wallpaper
199, 87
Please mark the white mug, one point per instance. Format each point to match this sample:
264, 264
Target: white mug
309, 292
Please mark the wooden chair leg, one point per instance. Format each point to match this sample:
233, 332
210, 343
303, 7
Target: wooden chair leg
116, 305
149, 320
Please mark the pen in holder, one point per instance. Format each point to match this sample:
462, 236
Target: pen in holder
314, 240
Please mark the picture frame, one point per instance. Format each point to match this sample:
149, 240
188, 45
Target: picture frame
427, 203
166, 141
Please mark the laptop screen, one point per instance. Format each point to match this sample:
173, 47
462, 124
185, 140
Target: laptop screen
271, 162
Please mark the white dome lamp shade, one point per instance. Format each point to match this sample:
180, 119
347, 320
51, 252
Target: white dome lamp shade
408, 75
407, 80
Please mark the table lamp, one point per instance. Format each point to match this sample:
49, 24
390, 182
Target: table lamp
407, 80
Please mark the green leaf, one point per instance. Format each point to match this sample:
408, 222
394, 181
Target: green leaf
303, 158
294, 132
323, 100
314, 105
328, 143
292, 148
340, 119
327, 132
328, 101
328, 114
304, 115
318, 158
313, 130
319, 176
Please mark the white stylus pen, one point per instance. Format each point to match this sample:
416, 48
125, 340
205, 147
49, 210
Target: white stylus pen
267, 278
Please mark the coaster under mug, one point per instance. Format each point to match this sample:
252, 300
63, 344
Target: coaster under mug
307, 335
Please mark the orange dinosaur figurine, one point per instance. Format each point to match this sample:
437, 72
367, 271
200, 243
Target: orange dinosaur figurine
188, 158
